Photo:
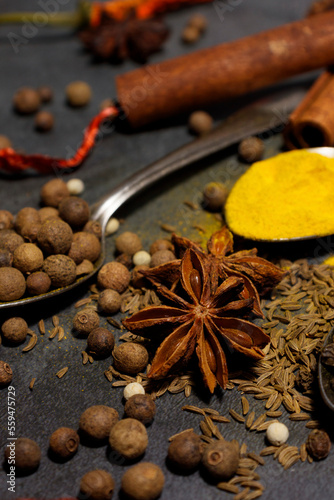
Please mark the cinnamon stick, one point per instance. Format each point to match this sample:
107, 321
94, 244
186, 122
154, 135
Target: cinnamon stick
312, 123
212, 75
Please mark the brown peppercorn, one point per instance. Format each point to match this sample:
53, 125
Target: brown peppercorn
97, 485
318, 444
6, 219
53, 192
29, 231
85, 267
61, 269
100, 342
141, 407
124, 259
6, 374
144, 481
97, 421
55, 236
214, 196
28, 258
161, 244
200, 123
38, 283
251, 149
64, 442
199, 22
26, 101
185, 451
75, 211
84, 246
12, 284
109, 301
130, 358
94, 227
15, 330
115, 276
27, 215
44, 121
128, 437
45, 93
221, 459
47, 213
78, 94
137, 278
27, 455
162, 257
128, 243
10, 240
5, 142
190, 34
85, 321
6, 258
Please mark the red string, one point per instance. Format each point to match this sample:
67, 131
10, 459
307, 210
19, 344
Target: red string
12, 161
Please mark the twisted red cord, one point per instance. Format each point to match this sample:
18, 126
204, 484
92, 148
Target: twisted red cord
11, 161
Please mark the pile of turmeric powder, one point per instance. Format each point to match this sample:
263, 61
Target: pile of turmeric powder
288, 196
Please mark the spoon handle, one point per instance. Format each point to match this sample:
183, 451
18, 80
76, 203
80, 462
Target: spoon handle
261, 116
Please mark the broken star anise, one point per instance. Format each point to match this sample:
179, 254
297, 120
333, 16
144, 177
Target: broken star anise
118, 40
202, 319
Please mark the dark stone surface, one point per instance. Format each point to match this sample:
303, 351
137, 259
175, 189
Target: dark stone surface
55, 57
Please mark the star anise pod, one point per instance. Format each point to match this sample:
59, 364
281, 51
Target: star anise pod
202, 319
132, 38
258, 274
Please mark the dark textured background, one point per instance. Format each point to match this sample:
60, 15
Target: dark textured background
55, 57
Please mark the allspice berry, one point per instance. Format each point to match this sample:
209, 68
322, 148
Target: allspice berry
115, 276
15, 330
47, 213
38, 283
251, 149
26, 100
94, 227
12, 284
185, 451
6, 258
44, 121
85, 321
28, 258
6, 374
64, 442
55, 236
128, 437
75, 211
97, 421
214, 196
6, 220
61, 270
190, 34
141, 407
162, 257
144, 481
78, 94
45, 93
100, 342
130, 358
27, 455
30, 230
10, 240
128, 243
26, 215
53, 192
318, 444
161, 244
199, 22
200, 122
221, 459
109, 301
85, 246
97, 485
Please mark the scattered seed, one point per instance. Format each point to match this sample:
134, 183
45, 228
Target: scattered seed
62, 372
115, 323
256, 457
41, 327
250, 419
298, 417
32, 382
55, 320
61, 333
245, 405
54, 332
236, 416
32, 342
230, 488
90, 359
168, 228
84, 357
82, 302
180, 433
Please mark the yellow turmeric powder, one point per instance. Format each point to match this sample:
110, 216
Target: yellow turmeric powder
288, 196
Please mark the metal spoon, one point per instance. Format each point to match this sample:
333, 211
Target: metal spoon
267, 114
325, 376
